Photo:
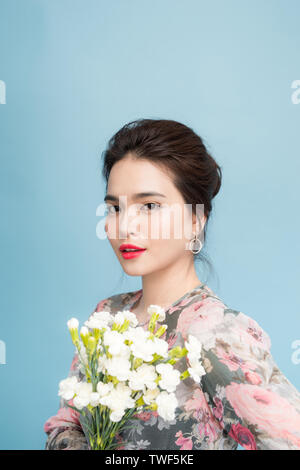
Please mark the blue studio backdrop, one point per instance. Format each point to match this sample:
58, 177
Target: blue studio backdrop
72, 72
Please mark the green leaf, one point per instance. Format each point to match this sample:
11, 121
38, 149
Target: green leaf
74, 408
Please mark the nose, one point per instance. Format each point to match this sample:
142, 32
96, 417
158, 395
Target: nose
129, 221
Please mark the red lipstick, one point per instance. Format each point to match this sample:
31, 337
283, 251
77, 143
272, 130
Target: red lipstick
131, 254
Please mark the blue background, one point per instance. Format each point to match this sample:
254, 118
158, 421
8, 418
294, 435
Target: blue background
75, 72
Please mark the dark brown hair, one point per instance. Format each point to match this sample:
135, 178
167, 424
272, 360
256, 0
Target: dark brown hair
178, 149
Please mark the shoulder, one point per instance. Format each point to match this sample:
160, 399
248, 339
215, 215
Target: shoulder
113, 303
215, 323
116, 302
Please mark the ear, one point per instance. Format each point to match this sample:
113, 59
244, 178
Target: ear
198, 223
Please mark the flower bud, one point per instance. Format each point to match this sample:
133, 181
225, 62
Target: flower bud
140, 401
91, 344
161, 330
137, 362
175, 352
184, 375
152, 407
73, 323
73, 328
84, 334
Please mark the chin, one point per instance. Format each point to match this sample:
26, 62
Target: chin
134, 271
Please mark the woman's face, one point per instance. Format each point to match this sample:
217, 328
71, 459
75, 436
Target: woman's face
154, 222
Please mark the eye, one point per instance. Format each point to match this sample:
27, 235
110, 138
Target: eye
154, 204
111, 209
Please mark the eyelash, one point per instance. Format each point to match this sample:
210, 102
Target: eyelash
146, 204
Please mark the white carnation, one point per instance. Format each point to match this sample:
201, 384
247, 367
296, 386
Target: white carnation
100, 320
122, 395
83, 392
115, 342
119, 318
170, 377
67, 387
194, 347
143, 375
117, 415
133, 321
161, 347
104, 388
157, 309
136, 334
104, 315
119, 367
96, 323
196, 370
143, 349
118, 399
94, 399
166, 405
150, 395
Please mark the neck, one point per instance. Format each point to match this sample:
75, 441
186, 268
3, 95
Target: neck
164, 287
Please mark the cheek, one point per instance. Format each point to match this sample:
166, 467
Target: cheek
172, 225
111, 229
170, 238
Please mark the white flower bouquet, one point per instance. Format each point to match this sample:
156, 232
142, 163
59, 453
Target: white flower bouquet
126, 370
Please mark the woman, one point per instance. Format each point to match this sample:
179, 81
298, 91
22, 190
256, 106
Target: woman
155, 171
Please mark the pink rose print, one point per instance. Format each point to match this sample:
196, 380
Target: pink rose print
64, 415
119, 439
184, 442
251, 333
181, 304
233, 362
208, 425
74, 362
209, 428
218, 410
197, 403
243, 436
144, 415
253, 378
268, 410
204, 314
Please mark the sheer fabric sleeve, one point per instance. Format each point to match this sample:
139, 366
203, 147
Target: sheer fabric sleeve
249, 396
64, 430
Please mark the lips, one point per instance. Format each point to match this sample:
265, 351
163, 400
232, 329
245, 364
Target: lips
129, 246
136, 250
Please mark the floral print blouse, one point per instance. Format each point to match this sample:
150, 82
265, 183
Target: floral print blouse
243, 398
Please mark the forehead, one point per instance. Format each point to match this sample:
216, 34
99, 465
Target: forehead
131, 175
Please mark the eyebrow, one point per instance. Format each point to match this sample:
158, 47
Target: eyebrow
111, 197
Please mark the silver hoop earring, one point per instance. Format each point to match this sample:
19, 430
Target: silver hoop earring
194, 241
